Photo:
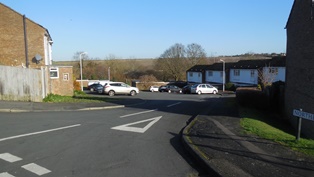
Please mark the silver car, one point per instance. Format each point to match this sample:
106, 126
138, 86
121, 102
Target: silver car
203, 88
113, 88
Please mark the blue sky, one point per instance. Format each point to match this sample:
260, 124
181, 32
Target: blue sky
146, 28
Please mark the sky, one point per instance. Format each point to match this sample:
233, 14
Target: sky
132, 29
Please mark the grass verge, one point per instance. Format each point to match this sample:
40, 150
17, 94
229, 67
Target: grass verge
267, 127
79, 97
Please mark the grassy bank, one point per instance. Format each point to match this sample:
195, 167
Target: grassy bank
267, 127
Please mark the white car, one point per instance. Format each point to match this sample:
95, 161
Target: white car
113, 88
153, 88
203, 88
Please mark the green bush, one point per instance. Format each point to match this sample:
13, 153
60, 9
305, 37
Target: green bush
230, 86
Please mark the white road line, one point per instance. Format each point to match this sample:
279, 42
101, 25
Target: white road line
9, 158
40, 132
6, 175
126, 127
173, 104
143, 112
34, 168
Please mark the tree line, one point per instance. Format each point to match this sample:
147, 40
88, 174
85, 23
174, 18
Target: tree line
171, 65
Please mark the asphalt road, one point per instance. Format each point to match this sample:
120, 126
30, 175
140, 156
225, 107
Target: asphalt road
138, 140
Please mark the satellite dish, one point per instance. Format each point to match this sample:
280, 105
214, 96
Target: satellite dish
38, 57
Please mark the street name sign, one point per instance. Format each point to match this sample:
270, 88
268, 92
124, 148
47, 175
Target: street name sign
304, 115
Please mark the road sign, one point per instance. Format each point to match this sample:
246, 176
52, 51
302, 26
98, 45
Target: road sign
304, 115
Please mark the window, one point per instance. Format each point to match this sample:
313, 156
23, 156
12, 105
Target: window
236, 72
190, 74
273, 70
54, 72
210, 73
199, 74
252, 73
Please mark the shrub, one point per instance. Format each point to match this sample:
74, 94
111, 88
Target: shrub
230, 86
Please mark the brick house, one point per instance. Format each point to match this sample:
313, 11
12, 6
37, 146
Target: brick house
13, 48
27, 45
299, 92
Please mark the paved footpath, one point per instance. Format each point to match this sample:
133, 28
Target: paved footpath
217, 141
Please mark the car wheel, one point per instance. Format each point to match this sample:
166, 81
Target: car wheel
132, 93
199, 92
180, 91
214, 92
111, 93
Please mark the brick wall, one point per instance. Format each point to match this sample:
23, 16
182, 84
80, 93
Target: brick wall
300, 63
12, 46
63, 85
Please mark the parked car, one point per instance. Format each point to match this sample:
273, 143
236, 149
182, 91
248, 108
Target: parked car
169, 89
100, 89
113, 88
186, 89
153, 88
93, 87
203, 88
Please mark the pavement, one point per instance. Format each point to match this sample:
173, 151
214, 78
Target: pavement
214, 138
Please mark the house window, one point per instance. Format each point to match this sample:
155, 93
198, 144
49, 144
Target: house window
273, 71
54, 72
191, 74
210, 73
236, 72
199, 74
252, 73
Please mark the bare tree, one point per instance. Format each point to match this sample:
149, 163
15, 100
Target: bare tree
267, 75
171, 62
195, 54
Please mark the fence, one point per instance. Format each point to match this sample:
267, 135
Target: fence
23, 84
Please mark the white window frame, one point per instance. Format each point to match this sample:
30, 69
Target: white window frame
54, 70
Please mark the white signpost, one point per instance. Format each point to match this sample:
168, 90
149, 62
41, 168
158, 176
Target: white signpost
300, 114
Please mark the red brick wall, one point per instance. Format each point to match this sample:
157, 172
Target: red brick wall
12, 46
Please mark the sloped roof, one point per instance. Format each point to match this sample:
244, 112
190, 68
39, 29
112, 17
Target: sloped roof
290, 14
198, 68
279, 61
250, 64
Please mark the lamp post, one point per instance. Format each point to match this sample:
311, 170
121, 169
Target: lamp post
223, 75
109, 73
81, 69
